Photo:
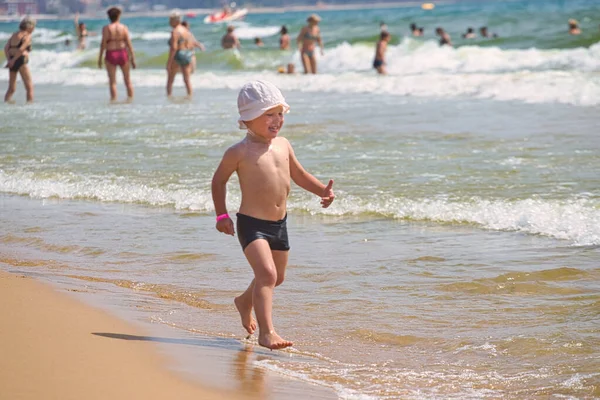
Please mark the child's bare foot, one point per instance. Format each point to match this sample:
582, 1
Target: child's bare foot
273, 341
245, 311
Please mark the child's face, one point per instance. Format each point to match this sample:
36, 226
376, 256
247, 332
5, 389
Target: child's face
268, 124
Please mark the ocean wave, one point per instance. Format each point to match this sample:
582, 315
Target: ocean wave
559, 87
409, 58
418, 58
574, 220
416, 69
251, 32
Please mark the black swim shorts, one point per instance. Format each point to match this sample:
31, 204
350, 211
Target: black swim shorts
274, 232
19, 63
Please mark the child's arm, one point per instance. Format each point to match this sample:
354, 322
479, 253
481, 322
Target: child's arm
308, 182
226, 168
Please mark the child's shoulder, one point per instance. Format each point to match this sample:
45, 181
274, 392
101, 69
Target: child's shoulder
281, 141
235, 150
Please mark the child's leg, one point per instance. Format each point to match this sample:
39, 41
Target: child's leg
261, 260
244, 302
244, 305
281, 259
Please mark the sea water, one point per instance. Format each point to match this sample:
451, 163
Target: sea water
460, 258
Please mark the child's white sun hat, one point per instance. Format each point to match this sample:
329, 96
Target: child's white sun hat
256, 97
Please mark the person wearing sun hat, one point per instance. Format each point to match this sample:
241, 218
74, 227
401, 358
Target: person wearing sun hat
307, 40
265, 164
257, 97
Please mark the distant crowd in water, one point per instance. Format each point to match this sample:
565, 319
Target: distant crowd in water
116, 49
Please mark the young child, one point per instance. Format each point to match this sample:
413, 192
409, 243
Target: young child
264, 163
379, 62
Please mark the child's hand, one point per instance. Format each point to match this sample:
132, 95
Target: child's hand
226, 226
328, 196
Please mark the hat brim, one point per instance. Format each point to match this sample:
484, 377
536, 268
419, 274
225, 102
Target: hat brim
253, 114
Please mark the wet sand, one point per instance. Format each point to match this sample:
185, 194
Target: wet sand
49, 350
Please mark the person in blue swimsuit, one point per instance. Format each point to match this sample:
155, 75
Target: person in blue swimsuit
17, 51
181, 54
307, 40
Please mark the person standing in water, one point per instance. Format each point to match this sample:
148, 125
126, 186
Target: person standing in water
181, 53
197, 44
119, 52
16, 51
265, 164
444, 37
230, 40
309, 37
380, 49
81, 32
284, 40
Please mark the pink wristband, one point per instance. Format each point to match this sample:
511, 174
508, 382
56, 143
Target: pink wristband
222, 216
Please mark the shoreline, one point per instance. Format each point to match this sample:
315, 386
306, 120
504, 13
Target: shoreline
200, 12
51, 350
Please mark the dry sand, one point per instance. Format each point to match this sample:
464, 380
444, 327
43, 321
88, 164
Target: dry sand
48, 351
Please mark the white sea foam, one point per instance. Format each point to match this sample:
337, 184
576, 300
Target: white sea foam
417, 58
251, 32
576, 221
42, 36
51, 61
424, 70
150, 35
343, 393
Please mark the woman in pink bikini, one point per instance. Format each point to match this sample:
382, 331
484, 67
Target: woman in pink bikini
119, 52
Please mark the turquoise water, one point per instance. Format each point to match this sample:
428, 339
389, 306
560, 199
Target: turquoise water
460, 259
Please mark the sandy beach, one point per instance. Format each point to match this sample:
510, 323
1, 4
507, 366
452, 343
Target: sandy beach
49, 351
458, 261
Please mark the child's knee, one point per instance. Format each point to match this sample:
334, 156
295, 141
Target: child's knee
267, 278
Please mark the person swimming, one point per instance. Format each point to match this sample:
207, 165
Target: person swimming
415, 31
574, 27
470, 34
483, 32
